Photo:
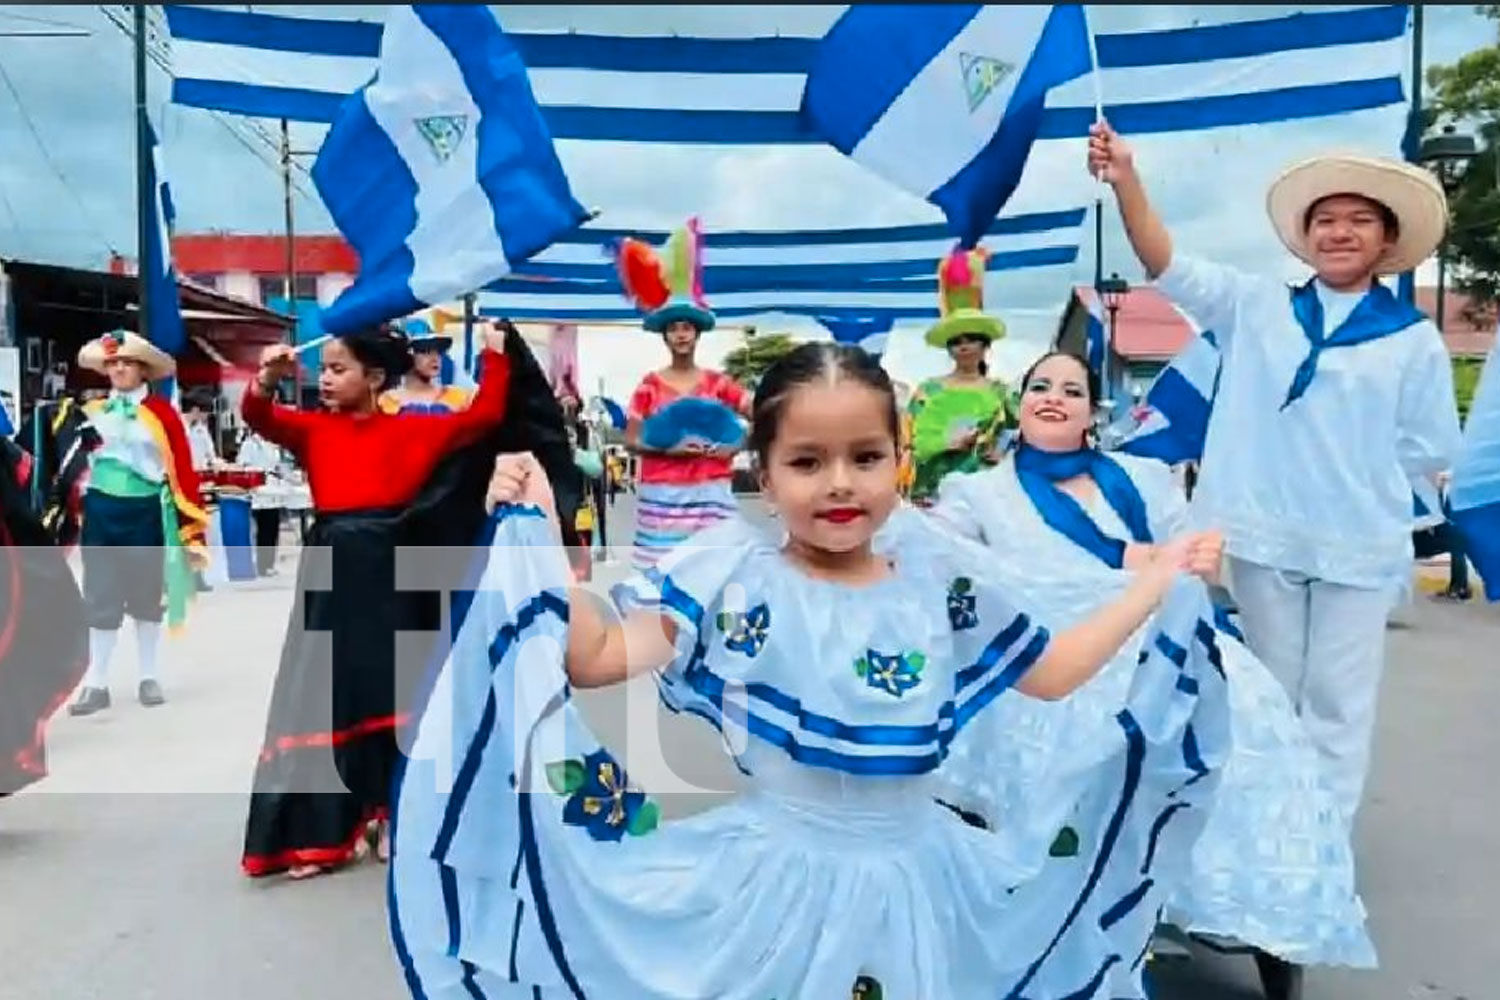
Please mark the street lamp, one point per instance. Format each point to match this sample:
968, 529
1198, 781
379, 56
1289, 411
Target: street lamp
1112, 292
1448, 155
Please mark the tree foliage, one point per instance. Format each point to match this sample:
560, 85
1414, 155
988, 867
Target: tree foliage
1467, 94
748, 362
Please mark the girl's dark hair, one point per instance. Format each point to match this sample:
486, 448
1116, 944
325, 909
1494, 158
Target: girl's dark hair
984, 368
381, 347
808, 363
1090, 380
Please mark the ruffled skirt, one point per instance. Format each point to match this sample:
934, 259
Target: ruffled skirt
525, 864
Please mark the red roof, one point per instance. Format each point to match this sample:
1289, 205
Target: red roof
1148, 326
221, 253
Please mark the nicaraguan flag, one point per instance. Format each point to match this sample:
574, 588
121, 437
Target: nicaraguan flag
1172, 421
440, 172
1474, 496
944, 100
165, 320
871, 333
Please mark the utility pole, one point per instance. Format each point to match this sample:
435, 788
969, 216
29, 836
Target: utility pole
291, 241
143, 195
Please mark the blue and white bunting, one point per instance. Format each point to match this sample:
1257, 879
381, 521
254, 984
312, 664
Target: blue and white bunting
870, 333
1204, 72
946, 100
440, 172
1474, 496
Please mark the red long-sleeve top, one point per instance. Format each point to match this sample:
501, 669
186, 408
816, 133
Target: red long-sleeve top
377, 460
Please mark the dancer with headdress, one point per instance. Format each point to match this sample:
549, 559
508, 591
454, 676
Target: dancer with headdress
957, 420
322, 781
421, 389
144, 523
682, 419
1333, 397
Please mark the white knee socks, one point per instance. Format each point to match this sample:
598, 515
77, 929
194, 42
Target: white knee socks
147, 635
101, 646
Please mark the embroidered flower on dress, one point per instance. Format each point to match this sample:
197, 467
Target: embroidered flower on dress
746, 633
600, 798
961, 604
895, 675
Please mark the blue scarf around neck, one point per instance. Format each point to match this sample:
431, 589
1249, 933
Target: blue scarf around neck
1379, 314
1039, 473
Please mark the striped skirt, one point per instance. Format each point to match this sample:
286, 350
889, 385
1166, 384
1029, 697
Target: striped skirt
669, 514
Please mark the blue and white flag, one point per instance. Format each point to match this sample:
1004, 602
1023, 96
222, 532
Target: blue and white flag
945, 100
440, 172
1171, 423
165, 319
1474, 497
868, 332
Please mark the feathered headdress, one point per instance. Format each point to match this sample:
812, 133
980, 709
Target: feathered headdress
667, 286
961, 299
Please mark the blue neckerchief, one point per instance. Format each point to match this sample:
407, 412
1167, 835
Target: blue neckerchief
1040, 471
1379, 314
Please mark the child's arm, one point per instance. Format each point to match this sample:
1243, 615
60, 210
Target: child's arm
603, 652
600, 652
1074, 656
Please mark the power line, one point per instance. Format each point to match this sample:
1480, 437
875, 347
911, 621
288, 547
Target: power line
47, 155
46, 21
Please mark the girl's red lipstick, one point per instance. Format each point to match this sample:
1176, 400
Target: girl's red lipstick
841, 515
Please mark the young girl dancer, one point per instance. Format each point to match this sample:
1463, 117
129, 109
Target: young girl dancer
1068, 526
325, 768
527, 865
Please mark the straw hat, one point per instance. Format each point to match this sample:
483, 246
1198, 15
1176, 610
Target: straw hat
961, 300
1412, 194
130, 346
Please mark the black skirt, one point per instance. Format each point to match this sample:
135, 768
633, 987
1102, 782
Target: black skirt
342, 695
43, 641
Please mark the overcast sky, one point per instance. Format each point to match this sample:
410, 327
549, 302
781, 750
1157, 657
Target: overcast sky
67, 169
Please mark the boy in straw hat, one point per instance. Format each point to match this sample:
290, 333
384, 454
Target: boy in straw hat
1334, 396
143, 519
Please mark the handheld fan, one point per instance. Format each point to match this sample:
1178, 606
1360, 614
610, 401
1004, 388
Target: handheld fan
693, 421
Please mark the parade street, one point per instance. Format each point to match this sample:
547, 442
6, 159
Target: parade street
120, 878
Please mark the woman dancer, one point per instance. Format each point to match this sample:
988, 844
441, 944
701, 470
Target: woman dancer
526, 863
681, 490
331, 743
1070, 526
956, 420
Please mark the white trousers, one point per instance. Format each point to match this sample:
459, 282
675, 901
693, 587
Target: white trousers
1325, 642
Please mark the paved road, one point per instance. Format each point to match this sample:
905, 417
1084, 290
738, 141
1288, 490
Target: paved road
119, 875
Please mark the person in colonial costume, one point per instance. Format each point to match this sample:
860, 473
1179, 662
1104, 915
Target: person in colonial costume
144, 522
1334, 396
421, 389
682, 419
1069, 526
43, 638
843, 669
378, 484
957, 420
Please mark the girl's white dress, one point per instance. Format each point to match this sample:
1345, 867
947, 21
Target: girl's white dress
1274, 867
526, 864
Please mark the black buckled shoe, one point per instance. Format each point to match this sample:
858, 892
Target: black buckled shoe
150, 694
90, 700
